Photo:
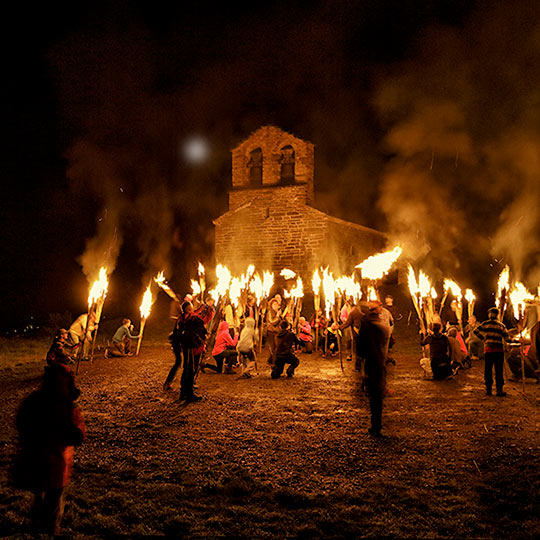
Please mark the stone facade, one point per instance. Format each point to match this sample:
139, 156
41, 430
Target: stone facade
270, 222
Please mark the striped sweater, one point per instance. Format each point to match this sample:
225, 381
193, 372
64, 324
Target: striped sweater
492, 332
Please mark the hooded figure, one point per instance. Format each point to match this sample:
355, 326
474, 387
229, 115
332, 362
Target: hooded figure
246, 347
224, 350
372, 345
49, 426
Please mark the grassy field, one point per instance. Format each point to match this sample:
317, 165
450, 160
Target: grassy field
286, 458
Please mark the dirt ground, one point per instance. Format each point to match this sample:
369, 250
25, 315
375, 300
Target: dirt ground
291, 457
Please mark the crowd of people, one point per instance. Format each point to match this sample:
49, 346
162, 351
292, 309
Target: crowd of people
50, 425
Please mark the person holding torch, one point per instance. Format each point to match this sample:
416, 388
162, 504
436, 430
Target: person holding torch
121, 341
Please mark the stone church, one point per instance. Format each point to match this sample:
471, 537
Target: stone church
271, 222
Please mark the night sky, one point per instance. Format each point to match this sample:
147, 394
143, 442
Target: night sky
425, 116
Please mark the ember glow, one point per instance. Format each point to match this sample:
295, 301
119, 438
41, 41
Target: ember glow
146, 304
99, 288
376, 266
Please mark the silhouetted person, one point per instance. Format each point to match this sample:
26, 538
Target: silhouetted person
49, 426
439, 352
372, 345
188, 341
285, 343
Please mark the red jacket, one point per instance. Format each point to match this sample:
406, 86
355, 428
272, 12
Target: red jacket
224, 339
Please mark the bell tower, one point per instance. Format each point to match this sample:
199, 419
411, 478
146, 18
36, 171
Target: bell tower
269, 158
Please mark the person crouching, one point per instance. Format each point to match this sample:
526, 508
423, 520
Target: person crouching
285, 341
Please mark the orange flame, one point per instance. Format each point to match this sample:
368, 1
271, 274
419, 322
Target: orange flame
316, 283
195, 287
376, 266
201, 270
518, 296
503, 284
268, 283
287, 274
469, 295
99, 288
454, 287
146, 303
298, 290
329, 288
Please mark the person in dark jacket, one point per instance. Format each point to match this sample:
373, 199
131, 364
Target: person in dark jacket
439, 352
285, 342
188, 342
50, 425
372, 345
60, 351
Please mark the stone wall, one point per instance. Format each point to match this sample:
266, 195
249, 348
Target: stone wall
272, 229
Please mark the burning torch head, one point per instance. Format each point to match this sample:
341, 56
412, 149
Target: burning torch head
493, 312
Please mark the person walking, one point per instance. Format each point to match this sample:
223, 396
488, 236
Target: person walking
372, 345
493, 333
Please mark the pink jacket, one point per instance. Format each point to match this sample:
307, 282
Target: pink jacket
224, 339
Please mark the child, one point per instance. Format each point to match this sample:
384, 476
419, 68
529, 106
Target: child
304, 335
246, 348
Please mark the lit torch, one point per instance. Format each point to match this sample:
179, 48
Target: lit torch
202, 281
376, 266
414, 290
316, 286
163, 285
144, 308
518, 296
96, 298
297, 293
452, 286
471, 299
267, 284
503, 286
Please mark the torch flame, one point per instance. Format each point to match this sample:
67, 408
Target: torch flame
454, 287
287, 274
235, 290
469, 295
413, 284
503, 284
424, 285
268, 283
256, 287
195, 287
146, 303
329, 288
316, 283
201, 269
298, 290
518, 296
99, 287
376, 266
347, 286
